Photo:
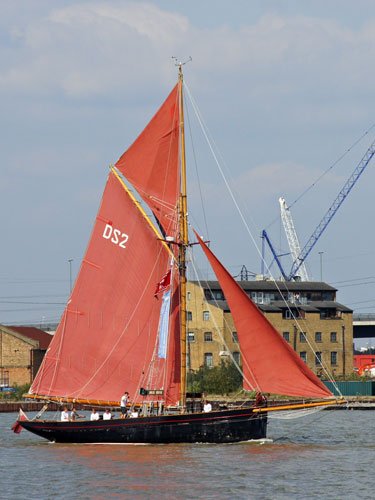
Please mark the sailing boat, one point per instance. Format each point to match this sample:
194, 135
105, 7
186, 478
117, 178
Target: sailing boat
124, 326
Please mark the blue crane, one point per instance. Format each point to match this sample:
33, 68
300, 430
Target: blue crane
275, 256
327, 217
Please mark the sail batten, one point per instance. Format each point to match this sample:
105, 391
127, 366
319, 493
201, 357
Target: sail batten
270, 363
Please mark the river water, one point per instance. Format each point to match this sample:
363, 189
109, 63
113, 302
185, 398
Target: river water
327, 455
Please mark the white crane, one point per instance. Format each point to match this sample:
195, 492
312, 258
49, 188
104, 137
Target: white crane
292, 238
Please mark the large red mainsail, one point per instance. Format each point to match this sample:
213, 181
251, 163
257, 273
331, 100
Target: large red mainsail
108, 334
151, 163
269, 363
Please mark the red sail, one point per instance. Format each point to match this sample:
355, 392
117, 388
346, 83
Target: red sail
106, 339
151, 163
269, 363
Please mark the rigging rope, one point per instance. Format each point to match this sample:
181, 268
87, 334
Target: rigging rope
230, 191
196, 170
296, 428
320, 177
257, 388
332, 166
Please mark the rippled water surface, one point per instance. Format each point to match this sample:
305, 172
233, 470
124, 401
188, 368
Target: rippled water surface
328, 455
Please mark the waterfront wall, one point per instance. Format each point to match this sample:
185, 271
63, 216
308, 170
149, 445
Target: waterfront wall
352, 388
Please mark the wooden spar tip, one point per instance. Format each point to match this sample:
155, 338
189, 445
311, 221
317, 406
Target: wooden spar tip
300, 406
180, 63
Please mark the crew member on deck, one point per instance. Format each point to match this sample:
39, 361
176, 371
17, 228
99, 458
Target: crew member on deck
107, 415
123, 403
94, 415
65, 415
260, 400
74, 415
207, 406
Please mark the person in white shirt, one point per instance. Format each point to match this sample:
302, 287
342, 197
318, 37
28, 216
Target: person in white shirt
107, 415
123, 403
207, 407
65, 415
94, 415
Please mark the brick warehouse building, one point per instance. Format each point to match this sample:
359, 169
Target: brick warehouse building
327, 324
21, 352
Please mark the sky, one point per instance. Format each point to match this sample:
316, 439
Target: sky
286, 92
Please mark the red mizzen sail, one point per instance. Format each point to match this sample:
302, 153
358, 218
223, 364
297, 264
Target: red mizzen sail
269, 363
107, 336
151, 163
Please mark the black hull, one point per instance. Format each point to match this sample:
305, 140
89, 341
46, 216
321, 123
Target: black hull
226, 426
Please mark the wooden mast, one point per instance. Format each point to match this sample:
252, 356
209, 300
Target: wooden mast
184, 242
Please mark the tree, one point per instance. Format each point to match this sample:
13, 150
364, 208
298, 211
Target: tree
220, 379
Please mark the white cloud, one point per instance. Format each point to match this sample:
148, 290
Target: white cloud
95, 48
91, 48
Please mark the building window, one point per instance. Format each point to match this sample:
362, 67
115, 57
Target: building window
208, 359
235, 337
286, 336
293, 313
207, 336
303, 356
236, 357
188, 295
214, 295
333, 337
334, 358
191, 337
302, 336
318, 358
254, 297
189, 315
206, 315
318, 336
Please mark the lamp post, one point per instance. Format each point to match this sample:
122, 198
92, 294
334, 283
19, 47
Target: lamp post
321, 265
70, 273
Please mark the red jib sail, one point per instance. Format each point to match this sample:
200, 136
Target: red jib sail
269, 363
151, 163
108, 334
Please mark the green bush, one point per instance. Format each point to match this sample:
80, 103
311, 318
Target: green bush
221, 379
354, 377
17, 394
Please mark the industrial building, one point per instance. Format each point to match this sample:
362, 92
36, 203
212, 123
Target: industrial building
22, 349
304, 313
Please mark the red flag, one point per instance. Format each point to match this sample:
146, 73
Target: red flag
164, 283
17, 427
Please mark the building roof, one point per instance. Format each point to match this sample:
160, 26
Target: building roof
262, 285
33, 333
280, 305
